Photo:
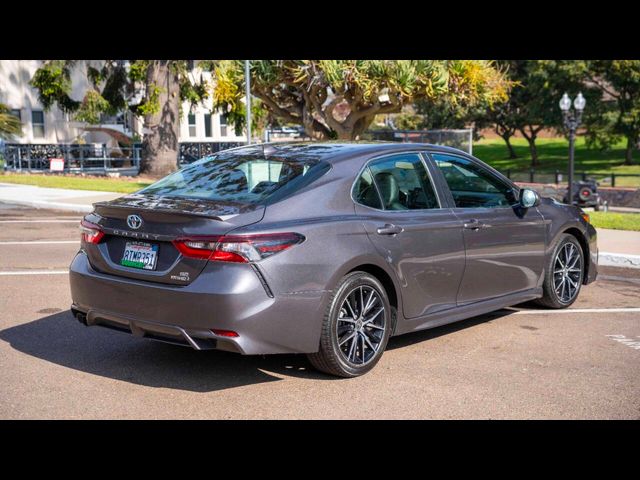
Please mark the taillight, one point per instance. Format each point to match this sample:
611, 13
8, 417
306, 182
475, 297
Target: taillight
90, 232
225, 333
237, 248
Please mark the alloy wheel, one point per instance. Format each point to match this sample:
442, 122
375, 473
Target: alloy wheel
567, 272
361, 325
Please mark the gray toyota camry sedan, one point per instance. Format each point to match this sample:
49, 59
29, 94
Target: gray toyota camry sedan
326, 249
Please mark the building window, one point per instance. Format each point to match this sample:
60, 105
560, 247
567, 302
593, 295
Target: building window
192, 125
16, 113
207, 125
223, 125
37, 123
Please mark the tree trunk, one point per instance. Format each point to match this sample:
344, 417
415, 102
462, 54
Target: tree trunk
628, 153
507, 139
531, 139
160, 146
534, 151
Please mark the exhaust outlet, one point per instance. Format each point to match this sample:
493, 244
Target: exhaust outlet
81, 317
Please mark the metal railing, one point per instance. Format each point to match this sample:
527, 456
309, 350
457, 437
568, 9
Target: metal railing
606, 179
96, 158
78, 158
191, 151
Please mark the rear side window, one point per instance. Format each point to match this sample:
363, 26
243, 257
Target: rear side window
365, 191
401, 182
248, 179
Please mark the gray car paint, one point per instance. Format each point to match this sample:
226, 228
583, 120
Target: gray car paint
425, 265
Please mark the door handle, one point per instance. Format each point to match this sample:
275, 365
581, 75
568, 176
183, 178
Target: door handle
389, 229
475, 224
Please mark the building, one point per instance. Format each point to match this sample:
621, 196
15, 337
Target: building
198, 124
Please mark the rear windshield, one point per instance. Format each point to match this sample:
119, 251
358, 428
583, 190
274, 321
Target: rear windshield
248, 179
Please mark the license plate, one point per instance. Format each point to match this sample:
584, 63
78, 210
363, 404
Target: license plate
140, 255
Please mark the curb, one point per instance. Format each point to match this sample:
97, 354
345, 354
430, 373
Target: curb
44, 204
618, 260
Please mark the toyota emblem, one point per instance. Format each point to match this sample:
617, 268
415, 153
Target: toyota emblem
134, 222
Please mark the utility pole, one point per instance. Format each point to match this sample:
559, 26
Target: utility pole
247, 83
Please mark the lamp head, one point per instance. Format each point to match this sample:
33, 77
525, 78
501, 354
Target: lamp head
580, 102
565, 103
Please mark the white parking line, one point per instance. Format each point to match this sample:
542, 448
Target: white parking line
40, 221
576, 310
36, 272
40, 242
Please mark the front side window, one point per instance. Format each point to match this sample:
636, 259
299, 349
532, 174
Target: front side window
471, 185
401, 182
37, 123
248, 179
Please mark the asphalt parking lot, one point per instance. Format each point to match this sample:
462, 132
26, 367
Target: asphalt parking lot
518, 363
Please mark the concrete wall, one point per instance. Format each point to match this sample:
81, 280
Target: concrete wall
200, 111
16, 93
619, 197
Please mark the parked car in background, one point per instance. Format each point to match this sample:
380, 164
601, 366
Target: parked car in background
326, 249
585, 194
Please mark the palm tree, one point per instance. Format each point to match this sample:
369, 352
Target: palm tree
9, 124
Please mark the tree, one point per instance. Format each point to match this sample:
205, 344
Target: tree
501, 117
10, 125
152, 89
532, 106
619, 82
340, 98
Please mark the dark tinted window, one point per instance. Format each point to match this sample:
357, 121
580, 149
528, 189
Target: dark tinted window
365, 192
245, 179
192, 124
471, 185
207, 125
37, 123
403, 183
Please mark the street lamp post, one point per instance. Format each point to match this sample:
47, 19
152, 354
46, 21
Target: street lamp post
572, 119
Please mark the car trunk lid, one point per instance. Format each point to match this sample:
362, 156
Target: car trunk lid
162, 220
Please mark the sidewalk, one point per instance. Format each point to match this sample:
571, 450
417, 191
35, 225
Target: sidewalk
53, 198
619, 248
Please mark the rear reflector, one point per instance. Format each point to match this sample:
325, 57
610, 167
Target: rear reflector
225, 333
90, 232
237, 248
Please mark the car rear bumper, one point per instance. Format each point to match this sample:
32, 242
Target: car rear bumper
224, 296
592, 270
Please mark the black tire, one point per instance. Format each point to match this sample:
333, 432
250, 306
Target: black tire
331, 358
550, 298
598, 206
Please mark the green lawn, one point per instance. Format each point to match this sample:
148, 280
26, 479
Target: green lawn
101, 184
554, 154
616, 221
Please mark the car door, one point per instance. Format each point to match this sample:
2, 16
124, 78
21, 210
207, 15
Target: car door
504, 243
422, 242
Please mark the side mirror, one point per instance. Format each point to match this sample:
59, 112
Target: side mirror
529, 198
